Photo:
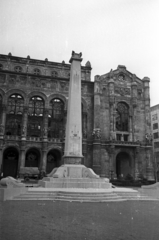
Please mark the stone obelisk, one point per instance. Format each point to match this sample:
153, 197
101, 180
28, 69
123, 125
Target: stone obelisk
73, 140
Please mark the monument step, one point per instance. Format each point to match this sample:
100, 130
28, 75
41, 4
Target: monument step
69, 200
53, 195
69, 196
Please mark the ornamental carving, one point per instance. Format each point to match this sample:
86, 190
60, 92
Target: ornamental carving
96, 133
122, 91
63, 86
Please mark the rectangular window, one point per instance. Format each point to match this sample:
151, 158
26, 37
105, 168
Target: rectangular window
156, 144
154, 117
155, 126
118, 137
125, 138
155, 135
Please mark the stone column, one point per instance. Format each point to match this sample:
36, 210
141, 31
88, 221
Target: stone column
45, 124
97, 151
130, 125
112, 165
136, 170
24, 123
3, 121
22, 154
73, 142
96, 131
149, 164
111, 104
134, 105
44, 160
146, 81
97, 103
84, 125
105, 166
1, 159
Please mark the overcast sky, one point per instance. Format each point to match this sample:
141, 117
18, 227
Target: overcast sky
107, 32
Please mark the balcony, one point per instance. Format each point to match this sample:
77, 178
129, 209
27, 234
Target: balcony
126, 143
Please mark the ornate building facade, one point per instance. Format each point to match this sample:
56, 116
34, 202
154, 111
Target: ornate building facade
33, 108
155, 135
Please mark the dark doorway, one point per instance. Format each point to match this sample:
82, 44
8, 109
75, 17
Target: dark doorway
10, 162
32, 158
123, 165
53, 160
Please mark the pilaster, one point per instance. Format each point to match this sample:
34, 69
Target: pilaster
111, 104
3, 121
45, 124
24, 123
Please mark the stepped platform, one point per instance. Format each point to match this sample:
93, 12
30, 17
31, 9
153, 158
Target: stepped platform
80, 195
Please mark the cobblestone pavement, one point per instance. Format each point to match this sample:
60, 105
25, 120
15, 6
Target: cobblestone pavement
44, 220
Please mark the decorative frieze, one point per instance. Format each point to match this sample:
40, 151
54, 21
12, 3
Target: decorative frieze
122, 91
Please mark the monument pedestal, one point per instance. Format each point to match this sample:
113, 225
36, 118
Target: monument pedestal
74, 176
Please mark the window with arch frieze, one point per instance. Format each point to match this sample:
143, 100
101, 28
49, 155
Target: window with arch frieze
36, 106
35, 117
56, 109
14, 115
122, 117
15, 104
56, 119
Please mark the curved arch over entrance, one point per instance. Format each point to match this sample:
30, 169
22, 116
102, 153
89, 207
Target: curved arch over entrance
10, 162
53, 160
32, 158
123, 164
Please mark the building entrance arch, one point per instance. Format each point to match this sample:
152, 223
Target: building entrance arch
10, 162
123, 164
53, 160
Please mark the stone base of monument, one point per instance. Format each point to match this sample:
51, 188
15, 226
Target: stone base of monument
74, 183
74, 176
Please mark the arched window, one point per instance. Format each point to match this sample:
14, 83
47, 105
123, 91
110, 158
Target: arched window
36, 106
122, 117
14, 115
18, 69
35, 116
15, 104
56, 119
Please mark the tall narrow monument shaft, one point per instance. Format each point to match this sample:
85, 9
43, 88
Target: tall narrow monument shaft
73, 140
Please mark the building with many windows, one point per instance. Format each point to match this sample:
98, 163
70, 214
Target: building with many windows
33, 108
155, 135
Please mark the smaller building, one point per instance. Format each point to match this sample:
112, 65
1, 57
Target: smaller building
155, 134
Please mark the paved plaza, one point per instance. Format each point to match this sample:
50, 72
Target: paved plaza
32, 220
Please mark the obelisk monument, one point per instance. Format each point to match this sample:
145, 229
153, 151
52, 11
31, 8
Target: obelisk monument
73, 141
73, 174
